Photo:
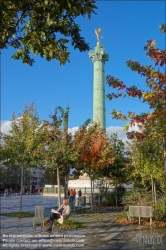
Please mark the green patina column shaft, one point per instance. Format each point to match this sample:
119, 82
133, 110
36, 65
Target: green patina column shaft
99, 57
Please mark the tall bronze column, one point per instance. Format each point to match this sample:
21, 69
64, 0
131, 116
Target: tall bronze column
99, 57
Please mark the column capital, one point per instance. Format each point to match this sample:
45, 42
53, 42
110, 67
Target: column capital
98, 54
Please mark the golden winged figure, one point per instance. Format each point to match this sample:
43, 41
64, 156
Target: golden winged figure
97, 32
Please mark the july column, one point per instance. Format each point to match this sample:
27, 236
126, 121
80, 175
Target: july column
99, 57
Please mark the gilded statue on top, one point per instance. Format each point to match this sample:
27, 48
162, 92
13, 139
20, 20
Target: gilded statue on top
97, 32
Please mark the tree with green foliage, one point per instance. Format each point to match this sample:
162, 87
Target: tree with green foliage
118, 171
65, 118
155, 96
59, 154
24, 144
43, 27
50, 176
147, 162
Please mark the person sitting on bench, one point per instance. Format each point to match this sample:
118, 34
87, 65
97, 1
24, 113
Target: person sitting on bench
64, 210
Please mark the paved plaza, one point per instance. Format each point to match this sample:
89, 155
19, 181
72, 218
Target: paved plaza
102, 232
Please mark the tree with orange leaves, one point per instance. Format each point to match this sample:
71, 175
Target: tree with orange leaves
94, 150
155, 97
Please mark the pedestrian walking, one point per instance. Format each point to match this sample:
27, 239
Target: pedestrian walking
71, 195
74, 194
79, 194
68, 193
71, 198
79, 197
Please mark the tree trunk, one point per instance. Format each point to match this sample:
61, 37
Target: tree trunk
106, 184
66, 187
59, 187
30, 189
91, 193
154, 193
65, 197
164, 145
116, 188
152, 181
152, 186
22, 176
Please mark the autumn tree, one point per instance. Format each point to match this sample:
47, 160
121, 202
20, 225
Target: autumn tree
155, 96
43, 27
94, 150
23, 146
59, 154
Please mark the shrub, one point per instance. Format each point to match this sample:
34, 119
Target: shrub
137, 197
160, 209
109, 198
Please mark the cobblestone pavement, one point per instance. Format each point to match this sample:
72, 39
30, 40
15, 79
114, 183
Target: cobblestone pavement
102, 232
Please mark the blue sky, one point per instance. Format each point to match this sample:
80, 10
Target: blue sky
126, 26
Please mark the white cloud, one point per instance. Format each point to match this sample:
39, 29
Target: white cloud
120, 132
110, 130
5, 126
73, 130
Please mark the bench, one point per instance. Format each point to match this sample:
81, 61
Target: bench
140, 211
